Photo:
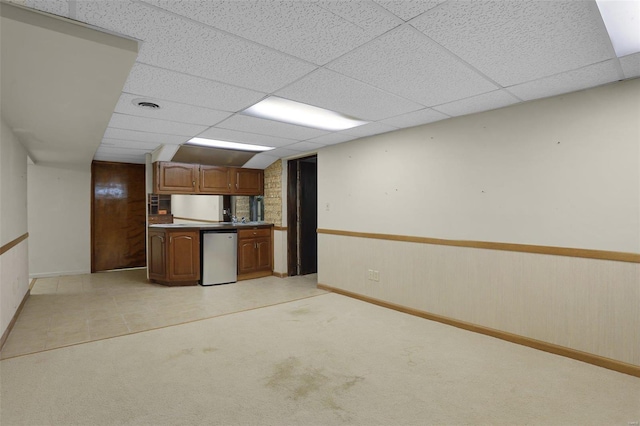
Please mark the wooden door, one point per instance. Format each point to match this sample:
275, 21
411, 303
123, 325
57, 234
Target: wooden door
118, 207
215, 180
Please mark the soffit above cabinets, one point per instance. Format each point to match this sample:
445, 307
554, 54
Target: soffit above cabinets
60, 82
211, 156
393, 63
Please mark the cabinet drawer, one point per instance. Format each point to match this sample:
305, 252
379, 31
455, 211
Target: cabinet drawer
252, 233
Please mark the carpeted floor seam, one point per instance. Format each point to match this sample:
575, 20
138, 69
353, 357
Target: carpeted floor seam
165, 326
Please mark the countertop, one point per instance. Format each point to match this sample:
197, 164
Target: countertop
212, 226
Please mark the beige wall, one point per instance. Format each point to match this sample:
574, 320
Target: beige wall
59, 215
14, 272
562, 171
196, 208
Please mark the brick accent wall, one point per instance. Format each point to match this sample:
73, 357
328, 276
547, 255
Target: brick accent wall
273, 193
242, 207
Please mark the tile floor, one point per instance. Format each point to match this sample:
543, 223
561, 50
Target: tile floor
68, 310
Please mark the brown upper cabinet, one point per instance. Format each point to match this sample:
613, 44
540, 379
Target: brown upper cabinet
175, 178
182, 178
215, 179
248, 182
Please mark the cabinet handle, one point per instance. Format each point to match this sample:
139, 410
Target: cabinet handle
229, 185
193, 183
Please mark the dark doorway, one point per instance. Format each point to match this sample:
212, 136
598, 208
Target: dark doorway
302, 216
118, 216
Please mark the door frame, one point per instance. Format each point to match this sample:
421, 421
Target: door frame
293, 214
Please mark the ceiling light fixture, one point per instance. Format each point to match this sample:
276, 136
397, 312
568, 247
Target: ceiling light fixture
280, 109
622, 19
228, 145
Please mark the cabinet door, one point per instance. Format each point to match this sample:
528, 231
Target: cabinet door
246, 256
176, 178
263, 253
184, 255
248, 182
157, 255
215, 180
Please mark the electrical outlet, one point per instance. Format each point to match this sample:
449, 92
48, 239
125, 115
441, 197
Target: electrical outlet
370, 274
327, 207
376, 275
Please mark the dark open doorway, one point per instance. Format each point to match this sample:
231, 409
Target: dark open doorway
302, 216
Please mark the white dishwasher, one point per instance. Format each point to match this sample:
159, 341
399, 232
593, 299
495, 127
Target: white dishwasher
219, 257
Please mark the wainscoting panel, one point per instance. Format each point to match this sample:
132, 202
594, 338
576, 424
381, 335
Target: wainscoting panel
14, 279
583, 304
280, 251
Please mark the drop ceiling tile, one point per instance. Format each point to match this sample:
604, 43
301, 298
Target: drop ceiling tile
56, 7
305, 146
303, 29
369, 129
583, 78
261, 161
177, 87
408, 9
210, 54
245, 123
330, 90
130, 122
631, 65
119, 143
151, 137
366, 15
407, 63
484, 102
171, 111
516, 41
332, 139
126, 17
244, 137
415, 118
149, 146
183, 45
283, 152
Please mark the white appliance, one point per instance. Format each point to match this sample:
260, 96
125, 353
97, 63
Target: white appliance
219, 257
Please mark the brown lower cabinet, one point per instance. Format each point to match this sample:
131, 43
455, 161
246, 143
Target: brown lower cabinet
254, 253
174, 256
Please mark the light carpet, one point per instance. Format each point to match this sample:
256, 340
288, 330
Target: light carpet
325, 360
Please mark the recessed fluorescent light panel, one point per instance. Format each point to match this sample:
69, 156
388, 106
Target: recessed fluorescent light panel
228, 145
622, 19
279, 109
